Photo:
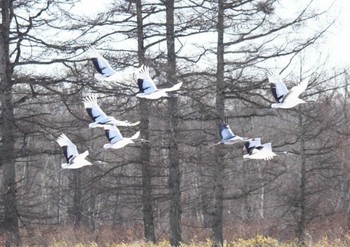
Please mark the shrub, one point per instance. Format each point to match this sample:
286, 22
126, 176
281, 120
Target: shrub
258, 241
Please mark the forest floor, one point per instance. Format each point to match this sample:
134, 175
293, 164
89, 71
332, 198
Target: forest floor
331, 233
258, 241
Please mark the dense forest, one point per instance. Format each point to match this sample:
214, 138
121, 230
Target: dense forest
177, 186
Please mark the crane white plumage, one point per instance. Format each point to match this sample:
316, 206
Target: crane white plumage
148, 89
105, 72
73, 158
286, 99
98, 117
256, 150
116, 140
226, 134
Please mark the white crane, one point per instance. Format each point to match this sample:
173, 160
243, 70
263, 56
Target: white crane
286, 99
116, 140
258, 151
148, 89
98, 117
226, 134
73, 158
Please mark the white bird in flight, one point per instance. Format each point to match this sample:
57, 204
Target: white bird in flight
74, 159
226, 134
286, 99
116, 140
148, 89
258, 151
105, 72
98, 117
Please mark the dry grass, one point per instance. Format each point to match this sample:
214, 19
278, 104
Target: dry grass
258, 241
328, 233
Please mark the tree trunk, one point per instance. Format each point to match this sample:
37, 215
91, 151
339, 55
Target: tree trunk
77, 209
174, 180
345, 184
346, 206
10, 223
302, 200
262, 193
59, 188
217, 225
147, 199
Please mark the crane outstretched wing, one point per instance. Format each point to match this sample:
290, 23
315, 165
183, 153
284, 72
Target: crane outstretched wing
225, 130
144, 80
100, 63
69, 149
278, 88
92, 108
113, 134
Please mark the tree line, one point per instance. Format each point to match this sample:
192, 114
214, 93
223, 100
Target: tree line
176, 183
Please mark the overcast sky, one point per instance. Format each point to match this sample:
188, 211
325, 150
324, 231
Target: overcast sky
337, 43
338, 39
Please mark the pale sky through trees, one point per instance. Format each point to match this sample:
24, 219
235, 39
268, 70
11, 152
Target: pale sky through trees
338, 44
335, 47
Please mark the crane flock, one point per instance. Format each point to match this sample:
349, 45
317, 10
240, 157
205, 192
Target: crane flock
284, 98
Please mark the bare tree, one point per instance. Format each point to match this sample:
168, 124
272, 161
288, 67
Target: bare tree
174, 162
205, 188
147, 197
217, 224
8, 158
